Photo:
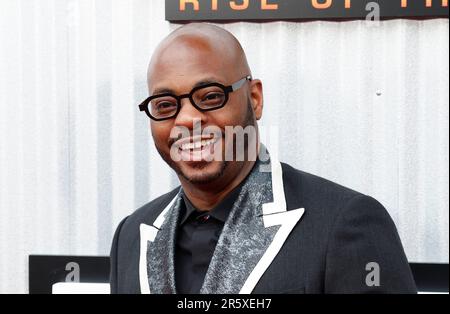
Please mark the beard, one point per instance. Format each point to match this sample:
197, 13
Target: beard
205, 172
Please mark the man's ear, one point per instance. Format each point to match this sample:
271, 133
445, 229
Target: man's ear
256, 97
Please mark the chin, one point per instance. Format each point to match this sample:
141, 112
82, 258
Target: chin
201, 172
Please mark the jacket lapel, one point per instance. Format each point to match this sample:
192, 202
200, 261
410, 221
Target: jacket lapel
254, 233
156, 263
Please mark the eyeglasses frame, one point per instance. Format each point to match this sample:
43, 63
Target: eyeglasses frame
227, 89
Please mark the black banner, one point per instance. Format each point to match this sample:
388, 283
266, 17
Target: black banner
46, 270
254, 10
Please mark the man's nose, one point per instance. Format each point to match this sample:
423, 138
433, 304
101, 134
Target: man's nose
189, 115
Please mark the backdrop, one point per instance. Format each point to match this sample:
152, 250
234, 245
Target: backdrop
364, 105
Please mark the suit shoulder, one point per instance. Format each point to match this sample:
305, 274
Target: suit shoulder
365, 207
325, 200
150, 211
312, 187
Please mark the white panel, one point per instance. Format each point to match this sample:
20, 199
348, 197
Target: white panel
360, 104
11, 150
80, 288
122, 110
83, 103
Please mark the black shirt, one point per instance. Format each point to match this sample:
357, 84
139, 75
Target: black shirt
197, 236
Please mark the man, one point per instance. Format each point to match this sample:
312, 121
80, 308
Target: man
242, 225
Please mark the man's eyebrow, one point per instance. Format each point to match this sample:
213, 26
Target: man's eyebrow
166, 90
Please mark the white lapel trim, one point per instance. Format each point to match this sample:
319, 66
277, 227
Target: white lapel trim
148, 233
274, 214
279, 200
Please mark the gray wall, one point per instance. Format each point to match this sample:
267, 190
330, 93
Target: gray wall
361, 104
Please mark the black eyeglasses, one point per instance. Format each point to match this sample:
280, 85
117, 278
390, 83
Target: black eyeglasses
207, 97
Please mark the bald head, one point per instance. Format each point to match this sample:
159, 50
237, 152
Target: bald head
198, 56
215, 48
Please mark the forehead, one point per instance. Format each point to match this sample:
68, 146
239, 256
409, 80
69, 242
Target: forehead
182, 64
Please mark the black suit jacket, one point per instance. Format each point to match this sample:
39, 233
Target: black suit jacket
334, 240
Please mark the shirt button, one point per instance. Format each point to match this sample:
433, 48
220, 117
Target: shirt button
204, 218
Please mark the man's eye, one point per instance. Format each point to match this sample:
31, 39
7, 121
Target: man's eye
165, 105
213, 96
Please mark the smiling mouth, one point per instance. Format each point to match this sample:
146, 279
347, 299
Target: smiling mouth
196, 148
197, 145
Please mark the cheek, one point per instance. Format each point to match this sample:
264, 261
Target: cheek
160, 134
232, 114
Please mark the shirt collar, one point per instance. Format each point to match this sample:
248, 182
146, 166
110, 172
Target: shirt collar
220, 212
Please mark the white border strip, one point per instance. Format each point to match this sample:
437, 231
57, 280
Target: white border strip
274, 214
288, 220
148, 234
279, 200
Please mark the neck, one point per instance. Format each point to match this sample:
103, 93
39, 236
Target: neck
206, 197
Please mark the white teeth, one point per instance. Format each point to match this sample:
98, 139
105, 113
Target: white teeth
198, 144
